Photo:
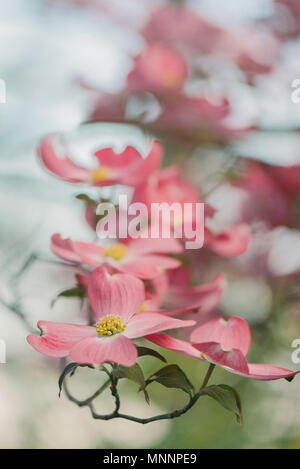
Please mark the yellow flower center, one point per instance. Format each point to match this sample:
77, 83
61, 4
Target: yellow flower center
116, 251
110, 325
100, 174
143, 308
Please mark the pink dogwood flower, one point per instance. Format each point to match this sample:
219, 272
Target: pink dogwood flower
115, 301
223, 343
231, 242
143, 258
159, 70
166, 186
226, 343
127, 167
201, 118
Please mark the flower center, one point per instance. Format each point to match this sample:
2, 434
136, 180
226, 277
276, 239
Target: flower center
100, 174
110, 325
116, 251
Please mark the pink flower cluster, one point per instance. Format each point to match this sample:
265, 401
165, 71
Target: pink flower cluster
141, 288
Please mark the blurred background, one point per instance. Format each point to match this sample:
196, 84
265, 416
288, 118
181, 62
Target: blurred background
230, 116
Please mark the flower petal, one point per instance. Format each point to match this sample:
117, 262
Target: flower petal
149, 267
263, 372
204, 298
142, 246
142, 169
230, 243
142, 324
57, 338
118, 294
176, 345
63, 248
232, 334
59, 165
232, 360
89, 253
94, 350
108, 157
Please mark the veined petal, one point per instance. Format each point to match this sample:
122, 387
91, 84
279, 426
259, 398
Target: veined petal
232, 360
143, 324
94, 350
263, 372
232, 334
57, 338
118, 294
176, 345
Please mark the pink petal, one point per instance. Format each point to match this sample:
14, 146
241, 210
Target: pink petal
156, 290
64, 248
232, 242
143, 169
82, 280
60, 165
176, 345
142, 324
149, 267
262, 372
58, 338
108, 157
118, 294
232, 360
205, 298
89, 253
142, 246
232, 334
94, 350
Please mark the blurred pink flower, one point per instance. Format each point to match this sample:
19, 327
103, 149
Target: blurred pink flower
143, 258
178, 296
181, 26
128, 167
158, 70
231, 242
199, 117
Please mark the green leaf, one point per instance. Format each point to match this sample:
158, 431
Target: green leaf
172, 376
142, 351
227, 397
69, 369
87, 200
133, 373
75, 292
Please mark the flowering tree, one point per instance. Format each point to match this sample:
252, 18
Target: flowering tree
143, 291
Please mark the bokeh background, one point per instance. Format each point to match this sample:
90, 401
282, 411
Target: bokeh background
59, 59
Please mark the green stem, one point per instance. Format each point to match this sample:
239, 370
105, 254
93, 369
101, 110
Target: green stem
207, 376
